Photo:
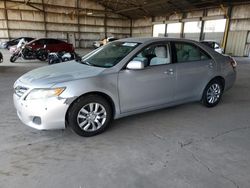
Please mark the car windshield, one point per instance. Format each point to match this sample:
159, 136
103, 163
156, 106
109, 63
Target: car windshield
109, 55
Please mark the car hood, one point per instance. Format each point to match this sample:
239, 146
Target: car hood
58, 73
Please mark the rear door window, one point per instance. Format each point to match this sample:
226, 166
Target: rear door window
186, 52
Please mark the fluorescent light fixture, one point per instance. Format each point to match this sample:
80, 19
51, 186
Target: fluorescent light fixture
158, 22
214, 17
191, 19
172, 21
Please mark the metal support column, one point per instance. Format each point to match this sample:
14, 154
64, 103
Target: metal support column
44, 19
105, 23
182, 26
7, 20
131, 27
225, 38
182, 30
202, 25
78, 23
166, 28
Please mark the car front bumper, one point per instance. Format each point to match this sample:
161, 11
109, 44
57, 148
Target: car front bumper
42, 114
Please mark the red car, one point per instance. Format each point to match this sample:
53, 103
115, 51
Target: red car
52, 45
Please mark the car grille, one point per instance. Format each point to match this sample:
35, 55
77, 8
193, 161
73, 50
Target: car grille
20, 90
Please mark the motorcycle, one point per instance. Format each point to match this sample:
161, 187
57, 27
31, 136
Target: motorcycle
26, 52
58, 57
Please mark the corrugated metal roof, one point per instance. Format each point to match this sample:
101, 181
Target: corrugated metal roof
145, 8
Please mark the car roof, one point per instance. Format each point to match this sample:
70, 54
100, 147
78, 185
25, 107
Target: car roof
209, 41
149, 40
47, 39
154, 39
23, 38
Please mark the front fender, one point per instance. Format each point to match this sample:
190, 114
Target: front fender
105, 84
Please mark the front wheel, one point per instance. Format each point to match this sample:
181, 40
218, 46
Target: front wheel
90, 115
13, 58
212, 93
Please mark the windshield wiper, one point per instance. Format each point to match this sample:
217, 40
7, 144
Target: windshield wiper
90, 64
86, 63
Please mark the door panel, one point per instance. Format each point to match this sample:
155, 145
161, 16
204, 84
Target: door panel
192, 77
149, 87
194, 68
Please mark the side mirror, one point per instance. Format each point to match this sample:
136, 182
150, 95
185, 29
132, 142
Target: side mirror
135, 65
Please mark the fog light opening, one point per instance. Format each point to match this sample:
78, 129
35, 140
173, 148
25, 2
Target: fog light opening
37, 120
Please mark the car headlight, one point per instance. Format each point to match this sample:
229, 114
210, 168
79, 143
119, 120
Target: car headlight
44, 93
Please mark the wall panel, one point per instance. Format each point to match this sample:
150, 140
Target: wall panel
60, 19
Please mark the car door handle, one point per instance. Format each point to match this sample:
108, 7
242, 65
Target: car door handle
211, 65
169, 72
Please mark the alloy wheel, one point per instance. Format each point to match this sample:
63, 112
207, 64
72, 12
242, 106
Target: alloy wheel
213, 93
91, 117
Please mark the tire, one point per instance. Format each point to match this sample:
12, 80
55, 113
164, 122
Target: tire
50, 62
13, 58
1, 57
66, 59
43, 57
87, 122
212, 93
41, 54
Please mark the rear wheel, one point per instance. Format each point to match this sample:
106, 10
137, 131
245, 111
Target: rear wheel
90, 115
43, 56
212, 93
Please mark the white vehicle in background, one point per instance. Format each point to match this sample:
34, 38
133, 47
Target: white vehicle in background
103, 42
58, 57
214, 45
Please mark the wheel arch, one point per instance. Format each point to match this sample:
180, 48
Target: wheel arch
220, 78
102, 94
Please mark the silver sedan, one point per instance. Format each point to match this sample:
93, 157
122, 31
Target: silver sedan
122, 78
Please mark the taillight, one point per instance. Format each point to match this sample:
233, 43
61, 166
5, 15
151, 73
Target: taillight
233, 62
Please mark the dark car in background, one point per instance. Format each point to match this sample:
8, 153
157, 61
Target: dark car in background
14, 42
51, 45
